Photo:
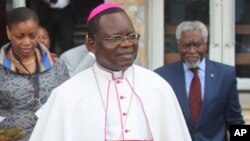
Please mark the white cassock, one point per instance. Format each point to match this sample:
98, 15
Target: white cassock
98, 104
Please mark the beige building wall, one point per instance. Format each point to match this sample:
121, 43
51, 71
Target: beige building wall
137, 11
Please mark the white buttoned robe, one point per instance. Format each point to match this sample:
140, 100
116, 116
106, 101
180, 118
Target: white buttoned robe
80, 111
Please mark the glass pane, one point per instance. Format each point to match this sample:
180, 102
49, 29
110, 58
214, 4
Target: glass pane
175, 12
242, 50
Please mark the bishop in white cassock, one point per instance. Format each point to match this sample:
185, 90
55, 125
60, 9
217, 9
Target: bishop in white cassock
99, 104
113, 99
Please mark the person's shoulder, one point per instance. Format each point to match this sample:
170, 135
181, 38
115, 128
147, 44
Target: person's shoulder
219, 65
75, 55
140, 68
60, 68
168, 67
76, 82
223, 70
58, 61
78, 50
150, 78
82, 77
145, 73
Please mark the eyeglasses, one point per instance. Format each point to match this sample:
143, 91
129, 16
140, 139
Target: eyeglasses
119, 38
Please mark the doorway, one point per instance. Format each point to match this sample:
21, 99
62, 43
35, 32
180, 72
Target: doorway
3, 11
83, 8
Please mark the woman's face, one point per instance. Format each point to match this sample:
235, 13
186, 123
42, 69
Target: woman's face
23, 37
43, 37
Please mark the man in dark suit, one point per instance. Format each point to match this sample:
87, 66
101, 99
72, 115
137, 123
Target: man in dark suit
216, 105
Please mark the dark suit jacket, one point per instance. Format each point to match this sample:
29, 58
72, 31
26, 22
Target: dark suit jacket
220, 106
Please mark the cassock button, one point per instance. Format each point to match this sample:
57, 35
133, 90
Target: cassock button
122, 97
126, 130
124, 114
118, 81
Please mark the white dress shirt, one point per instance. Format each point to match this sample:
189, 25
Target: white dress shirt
60, 4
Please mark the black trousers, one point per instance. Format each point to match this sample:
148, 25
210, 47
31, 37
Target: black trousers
58, 22
60, 25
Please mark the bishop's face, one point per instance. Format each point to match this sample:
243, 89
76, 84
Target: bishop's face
192, 48
115, 44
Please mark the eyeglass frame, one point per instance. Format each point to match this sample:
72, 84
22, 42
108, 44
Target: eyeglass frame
119, 38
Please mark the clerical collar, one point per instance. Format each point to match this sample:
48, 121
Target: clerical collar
117, 74
114, 74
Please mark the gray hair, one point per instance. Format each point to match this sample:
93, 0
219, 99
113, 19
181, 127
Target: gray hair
191, 25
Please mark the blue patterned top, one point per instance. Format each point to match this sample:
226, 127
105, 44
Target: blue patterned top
17, 94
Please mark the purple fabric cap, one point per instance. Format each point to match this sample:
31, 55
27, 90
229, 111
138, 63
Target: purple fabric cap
102, 7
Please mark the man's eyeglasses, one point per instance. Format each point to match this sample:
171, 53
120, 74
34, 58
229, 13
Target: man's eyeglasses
119, 38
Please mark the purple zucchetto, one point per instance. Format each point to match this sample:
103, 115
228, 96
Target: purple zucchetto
102, 7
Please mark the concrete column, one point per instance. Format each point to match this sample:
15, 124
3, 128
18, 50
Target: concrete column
18, 3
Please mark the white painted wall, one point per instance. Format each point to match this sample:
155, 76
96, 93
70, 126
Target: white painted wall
156, 34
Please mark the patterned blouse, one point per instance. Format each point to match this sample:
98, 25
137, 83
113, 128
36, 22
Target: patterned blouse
18, 102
